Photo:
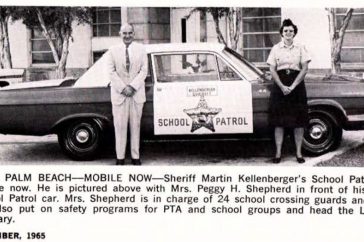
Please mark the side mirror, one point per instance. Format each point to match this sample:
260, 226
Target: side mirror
267, 76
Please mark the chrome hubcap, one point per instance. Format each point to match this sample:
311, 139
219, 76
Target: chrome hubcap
317, 131
82, 136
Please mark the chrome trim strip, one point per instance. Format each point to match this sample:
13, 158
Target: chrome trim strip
356, 118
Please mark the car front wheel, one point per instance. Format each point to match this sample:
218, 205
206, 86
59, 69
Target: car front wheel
322, 134
80, 139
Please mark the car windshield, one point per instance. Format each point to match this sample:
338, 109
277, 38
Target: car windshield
95, 76
248, 69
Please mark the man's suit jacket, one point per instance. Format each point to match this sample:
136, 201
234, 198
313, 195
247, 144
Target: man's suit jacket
120, 77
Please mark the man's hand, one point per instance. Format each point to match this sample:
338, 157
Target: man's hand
128, 91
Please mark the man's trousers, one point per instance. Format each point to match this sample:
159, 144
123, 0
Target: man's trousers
128, 112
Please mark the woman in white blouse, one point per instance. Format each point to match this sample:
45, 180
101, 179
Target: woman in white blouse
288, 64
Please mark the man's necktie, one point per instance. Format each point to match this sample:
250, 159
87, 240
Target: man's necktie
127, 60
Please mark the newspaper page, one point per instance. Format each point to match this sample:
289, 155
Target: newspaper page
209, 167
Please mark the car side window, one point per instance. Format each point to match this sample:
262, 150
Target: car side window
226, 73
189, 67
149, 79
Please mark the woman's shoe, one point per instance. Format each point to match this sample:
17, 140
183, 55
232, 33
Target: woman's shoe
276, 160
300, 159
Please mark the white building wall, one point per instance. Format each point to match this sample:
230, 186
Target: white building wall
19, 45
103, 43
192, 25
312, 24
79, 49
313, 32
80, 55
211, 29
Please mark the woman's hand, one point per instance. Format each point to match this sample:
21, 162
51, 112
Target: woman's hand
300, 75
276, 79
291, 87
286, 90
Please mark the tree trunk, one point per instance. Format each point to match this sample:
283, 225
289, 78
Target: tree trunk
220, 37
47, 36
58, 42
2, 46
340, 39
61, 68
337, 37
5, 56
332, 32
234, 23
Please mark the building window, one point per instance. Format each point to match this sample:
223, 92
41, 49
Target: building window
41, 51
260, 32
353, 46
184, 38
183, 30
106, 21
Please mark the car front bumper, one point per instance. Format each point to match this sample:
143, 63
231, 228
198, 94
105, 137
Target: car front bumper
355, 122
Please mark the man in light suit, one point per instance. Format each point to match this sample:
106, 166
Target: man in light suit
127, 67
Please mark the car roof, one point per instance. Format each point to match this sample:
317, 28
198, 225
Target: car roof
169, 47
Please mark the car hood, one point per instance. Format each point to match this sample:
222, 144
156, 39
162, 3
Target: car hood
332, 78
36, 84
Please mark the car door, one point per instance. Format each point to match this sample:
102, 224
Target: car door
261, 89
199, 93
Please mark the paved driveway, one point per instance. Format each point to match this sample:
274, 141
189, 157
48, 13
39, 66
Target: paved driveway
30, 150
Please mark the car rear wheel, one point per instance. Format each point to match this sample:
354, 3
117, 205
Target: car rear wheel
322, 134
80, 139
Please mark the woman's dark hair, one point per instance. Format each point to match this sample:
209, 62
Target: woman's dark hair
287, 23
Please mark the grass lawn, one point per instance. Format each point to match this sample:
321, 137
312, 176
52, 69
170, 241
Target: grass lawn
351, 158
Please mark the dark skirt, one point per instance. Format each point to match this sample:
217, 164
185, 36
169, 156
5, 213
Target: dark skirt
290, 111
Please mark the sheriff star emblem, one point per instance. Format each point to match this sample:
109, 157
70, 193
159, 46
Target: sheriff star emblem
202, 115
